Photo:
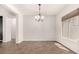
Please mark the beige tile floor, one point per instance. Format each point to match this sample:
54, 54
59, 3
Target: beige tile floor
33, 47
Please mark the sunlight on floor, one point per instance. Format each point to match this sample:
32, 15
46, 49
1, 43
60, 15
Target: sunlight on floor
61, 47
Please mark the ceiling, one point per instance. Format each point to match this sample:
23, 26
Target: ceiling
46, 9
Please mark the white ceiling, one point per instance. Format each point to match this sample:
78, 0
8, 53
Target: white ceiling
46, 9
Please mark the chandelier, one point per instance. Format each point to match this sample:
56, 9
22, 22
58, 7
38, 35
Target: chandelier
39, 17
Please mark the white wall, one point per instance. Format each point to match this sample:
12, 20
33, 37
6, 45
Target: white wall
13, 28
19, 28
73, 45
39, 31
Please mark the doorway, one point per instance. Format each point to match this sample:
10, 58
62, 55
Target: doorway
1, 29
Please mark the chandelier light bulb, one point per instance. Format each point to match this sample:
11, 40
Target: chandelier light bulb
37, 17
42, 17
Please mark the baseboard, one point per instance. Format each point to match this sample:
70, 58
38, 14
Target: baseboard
39, 40
17, 42
6, 41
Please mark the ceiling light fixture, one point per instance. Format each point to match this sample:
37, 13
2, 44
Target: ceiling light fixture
39, 17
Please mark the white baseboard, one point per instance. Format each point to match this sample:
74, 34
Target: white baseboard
39, 40
17, 42
6, 41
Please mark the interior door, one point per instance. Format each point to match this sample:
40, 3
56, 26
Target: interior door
1, 29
